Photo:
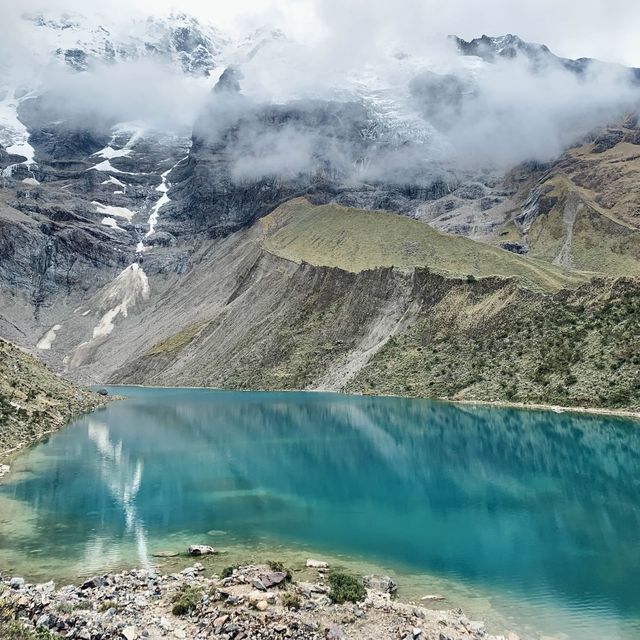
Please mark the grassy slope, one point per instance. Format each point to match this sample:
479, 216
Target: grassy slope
355, 240
33, 400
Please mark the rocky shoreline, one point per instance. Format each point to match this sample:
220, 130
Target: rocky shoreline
248, 602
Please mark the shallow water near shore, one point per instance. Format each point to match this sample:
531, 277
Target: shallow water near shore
529, 520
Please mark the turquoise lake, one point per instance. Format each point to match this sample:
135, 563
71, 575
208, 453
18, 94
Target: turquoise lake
529, 520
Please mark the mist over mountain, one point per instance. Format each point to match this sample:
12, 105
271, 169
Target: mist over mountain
489, 102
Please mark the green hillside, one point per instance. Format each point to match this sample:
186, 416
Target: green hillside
356, 240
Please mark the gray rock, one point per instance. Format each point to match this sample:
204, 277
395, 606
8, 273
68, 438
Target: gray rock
384, 584
16, 583
258, 584
94, 583
515, 247
274, 578
43, 621
334, 632
201, 550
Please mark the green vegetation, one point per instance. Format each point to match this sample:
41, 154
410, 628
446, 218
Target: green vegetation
178, 341
186, 600
291, 601
571, 350
227, 572
12, 629
110, 604
33, 400
355, 240
345, 588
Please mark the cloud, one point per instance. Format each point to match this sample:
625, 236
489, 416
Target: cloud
417, 101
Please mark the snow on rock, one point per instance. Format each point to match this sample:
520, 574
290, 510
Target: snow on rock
32, 182
135, 131
130, 288
47, 339
163, 187
115, 181
118, 212
110, 152
106, 166
14, 136
111, 222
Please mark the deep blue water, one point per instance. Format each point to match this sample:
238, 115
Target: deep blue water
537, 510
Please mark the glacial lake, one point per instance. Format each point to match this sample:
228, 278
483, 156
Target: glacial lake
529, 520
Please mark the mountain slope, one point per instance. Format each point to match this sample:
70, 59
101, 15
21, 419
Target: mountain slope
281, 322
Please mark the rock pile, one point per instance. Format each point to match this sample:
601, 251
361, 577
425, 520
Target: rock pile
253, 602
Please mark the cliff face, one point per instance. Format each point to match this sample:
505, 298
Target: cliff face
33, 400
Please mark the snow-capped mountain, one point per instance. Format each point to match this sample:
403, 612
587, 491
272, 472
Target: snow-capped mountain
178, 39
509, 47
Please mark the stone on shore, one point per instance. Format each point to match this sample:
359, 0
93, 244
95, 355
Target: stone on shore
384, 584
272, 579
317, 564
201, 550
129, 633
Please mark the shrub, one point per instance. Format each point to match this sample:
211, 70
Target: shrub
291, 601
345, 588
227, 572
186, 600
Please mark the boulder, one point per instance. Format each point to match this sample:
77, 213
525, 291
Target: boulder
334, 632
129, 633
258, 584
274, 578
16, 583
93, 583
432, 598
201, 550
317, 564
384, 584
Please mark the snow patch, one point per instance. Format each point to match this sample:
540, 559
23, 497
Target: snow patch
115, 181
118, 212
106, 166
47, 340
111, 222
32, 182
163, 188
130, 288
110, 152
14, 136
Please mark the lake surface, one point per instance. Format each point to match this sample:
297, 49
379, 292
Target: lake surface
527, 519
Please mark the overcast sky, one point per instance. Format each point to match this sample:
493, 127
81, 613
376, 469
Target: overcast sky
606, 29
